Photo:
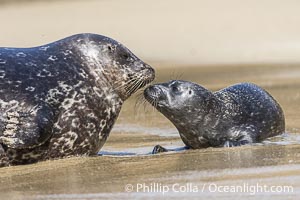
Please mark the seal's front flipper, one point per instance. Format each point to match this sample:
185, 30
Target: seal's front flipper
235, 143
4, 161
240, 135
26, 129
159, 149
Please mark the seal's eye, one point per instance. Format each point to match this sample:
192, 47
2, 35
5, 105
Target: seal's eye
175, 89
125, 56
190, 92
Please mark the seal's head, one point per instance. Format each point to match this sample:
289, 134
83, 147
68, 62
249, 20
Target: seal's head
182, 102
111, 62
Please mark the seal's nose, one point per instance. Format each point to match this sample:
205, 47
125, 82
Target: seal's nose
150, 72
151, 91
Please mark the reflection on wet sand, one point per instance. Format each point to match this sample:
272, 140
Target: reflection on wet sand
275, 162
271, 164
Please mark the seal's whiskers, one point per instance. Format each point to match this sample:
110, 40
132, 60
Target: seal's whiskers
176, 75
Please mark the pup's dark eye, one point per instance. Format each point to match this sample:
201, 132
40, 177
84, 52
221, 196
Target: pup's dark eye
190, 92
175, 89
109, 48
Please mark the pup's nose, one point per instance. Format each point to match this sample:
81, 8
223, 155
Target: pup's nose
148, 90
151, 90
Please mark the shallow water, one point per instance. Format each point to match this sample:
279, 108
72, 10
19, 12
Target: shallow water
126, 159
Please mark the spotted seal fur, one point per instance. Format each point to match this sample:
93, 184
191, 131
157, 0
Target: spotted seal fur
240, 114
62, 99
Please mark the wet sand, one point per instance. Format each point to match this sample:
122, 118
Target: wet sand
275, 162
196, 41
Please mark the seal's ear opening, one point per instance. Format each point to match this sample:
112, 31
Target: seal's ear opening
109, 48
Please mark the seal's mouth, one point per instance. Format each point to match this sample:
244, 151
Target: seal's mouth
145, 78
137, 81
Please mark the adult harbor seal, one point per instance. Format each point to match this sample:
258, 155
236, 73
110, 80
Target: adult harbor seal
237, 115
63, 98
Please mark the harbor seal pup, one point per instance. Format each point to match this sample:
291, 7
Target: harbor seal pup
240, 114
62, 99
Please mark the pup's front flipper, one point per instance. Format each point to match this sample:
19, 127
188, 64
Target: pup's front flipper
240, 135
159, 149
235, 143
